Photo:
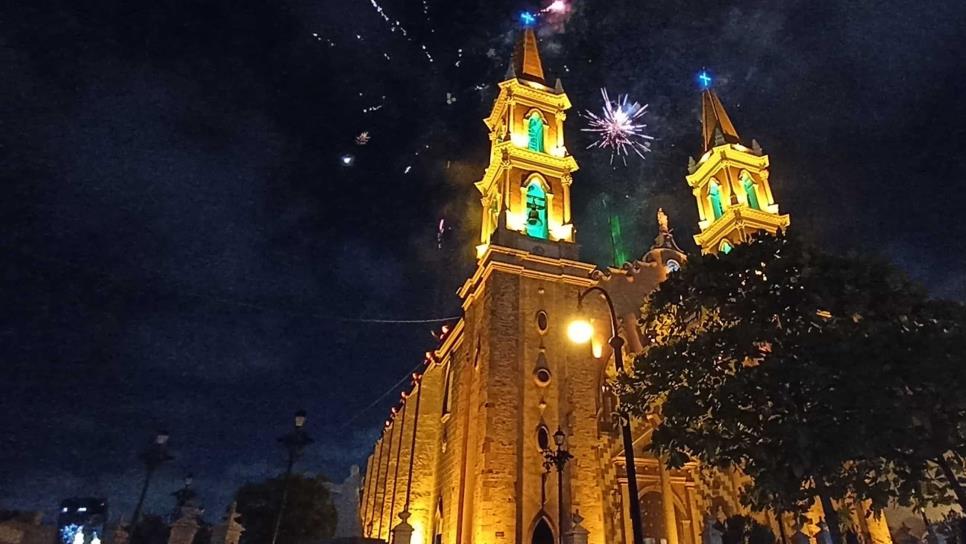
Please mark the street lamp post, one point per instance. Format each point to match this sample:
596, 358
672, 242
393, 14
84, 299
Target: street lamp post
558, 459
153, 457
294, 443
580, 331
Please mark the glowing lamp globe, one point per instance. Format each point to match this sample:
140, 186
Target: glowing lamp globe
580, 330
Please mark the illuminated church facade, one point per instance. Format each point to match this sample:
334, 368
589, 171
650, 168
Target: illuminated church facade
462, 454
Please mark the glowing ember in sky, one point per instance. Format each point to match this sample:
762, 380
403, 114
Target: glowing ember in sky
557, 6
618, 128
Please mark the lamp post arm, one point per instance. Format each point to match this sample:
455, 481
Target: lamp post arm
610, 305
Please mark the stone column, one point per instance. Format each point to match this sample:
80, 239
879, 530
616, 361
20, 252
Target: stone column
402, 533
667, 499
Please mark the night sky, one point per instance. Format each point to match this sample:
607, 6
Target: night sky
182, 249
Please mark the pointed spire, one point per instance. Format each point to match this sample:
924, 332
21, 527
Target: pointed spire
511, 72
756, 147
716, 126
526, 58
692, 165
558, 86
719, 138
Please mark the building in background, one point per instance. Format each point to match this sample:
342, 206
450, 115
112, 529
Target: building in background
81, 520
25, 528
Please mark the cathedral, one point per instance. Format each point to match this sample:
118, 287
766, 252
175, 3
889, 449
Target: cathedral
461, 459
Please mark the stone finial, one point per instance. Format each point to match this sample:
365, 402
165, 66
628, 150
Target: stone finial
719, 138
577, 534
184, 529
229, 530
692, 165
756, 147
402, 533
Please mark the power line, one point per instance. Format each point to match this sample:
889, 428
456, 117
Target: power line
378, 400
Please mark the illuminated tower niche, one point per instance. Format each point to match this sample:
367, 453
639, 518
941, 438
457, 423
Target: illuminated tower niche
526, 187
730, 184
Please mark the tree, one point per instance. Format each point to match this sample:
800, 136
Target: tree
309, 513
745, 530
150, 529
770, 360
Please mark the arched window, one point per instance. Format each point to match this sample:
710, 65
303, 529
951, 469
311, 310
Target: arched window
714, 194
542, 533
537, 210
751, 190
535, 132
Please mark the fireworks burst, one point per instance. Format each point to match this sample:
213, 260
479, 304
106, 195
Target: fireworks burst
618, 128
362, 138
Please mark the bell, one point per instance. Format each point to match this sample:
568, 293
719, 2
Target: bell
533, 218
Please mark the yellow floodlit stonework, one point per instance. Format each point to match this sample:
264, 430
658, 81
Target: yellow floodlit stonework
506, 376
730, 185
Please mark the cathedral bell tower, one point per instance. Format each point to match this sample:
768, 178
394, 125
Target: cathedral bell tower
730, 184
526, 187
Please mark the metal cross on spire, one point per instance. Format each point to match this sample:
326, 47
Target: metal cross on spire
704, 79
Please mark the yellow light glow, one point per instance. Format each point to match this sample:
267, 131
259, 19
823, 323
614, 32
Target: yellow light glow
562, 232
417, 537
580, 331
515, 221
596, 348
520, 140
559, 151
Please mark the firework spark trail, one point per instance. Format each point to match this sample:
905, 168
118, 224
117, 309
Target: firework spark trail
395, 25
618, 128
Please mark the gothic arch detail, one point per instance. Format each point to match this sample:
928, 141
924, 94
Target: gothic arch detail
541, 530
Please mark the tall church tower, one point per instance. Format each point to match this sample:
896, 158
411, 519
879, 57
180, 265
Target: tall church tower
730, 184
505, 378
526, 187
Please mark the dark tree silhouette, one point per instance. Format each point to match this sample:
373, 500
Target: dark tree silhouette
309, 513
807, 371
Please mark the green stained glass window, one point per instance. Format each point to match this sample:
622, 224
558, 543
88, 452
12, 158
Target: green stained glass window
535, 133
751, 192
714, 194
